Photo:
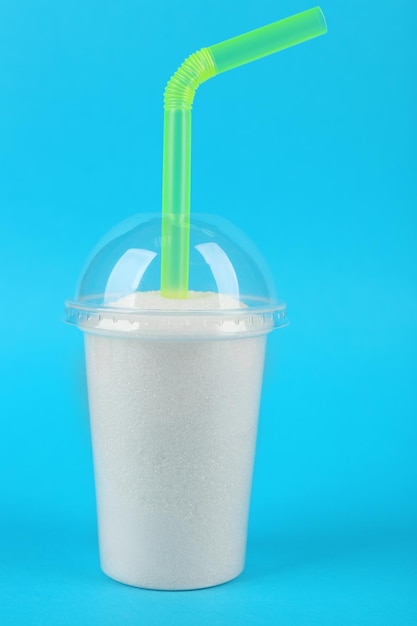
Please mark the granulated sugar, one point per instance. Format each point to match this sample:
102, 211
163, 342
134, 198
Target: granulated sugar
174, 429
196, 301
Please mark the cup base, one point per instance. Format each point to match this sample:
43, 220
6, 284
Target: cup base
154, 586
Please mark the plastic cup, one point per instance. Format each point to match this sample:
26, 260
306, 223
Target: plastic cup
174, 389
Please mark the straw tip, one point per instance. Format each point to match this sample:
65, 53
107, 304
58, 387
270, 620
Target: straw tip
322, 19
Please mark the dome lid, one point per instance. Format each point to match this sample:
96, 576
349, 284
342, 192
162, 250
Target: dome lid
231, 290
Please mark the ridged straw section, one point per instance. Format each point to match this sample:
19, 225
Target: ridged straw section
181, 88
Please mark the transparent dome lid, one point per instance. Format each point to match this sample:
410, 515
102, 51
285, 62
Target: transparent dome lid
231, 290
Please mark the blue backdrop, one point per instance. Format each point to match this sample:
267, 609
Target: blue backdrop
312, 152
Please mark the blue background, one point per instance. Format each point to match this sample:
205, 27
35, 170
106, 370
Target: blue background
312, 152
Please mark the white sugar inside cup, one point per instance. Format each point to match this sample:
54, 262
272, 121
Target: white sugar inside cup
174, 431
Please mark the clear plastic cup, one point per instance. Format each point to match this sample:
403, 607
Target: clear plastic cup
175, 313
174, 389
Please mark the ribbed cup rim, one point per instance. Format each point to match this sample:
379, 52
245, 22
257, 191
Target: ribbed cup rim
170, 323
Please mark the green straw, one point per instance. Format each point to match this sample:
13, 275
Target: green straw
178, 100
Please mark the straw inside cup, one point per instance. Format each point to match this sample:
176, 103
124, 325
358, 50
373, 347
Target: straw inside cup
178, 100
